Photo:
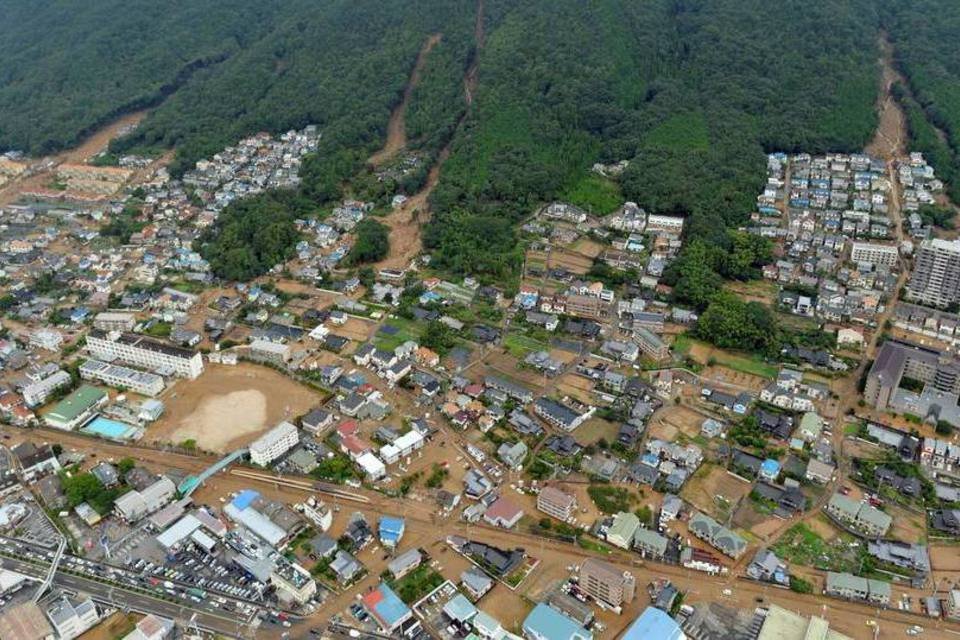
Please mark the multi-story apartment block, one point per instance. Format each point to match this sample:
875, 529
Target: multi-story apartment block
114, 321
874, 253
897, 360
36, 393
936, 273
274, 443
605, 582
140, 351
556, 503
142, 382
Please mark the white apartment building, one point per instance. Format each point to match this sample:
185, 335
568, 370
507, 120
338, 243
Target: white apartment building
36, 394
140, 351
114, 321
664, 224
267, 351
874, 253
48, 339
142, 382
274, 443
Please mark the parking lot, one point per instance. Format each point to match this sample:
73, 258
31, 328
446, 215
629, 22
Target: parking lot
34, 526
193, 566
430, 610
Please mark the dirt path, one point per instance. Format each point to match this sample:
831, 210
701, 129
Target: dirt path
471, 78
396, 127
99, 139
406, 223
889, 142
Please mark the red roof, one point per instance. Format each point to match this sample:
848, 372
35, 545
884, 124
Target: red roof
8, 400
371, 598
347, 427
353, 444
503, 509
473, 390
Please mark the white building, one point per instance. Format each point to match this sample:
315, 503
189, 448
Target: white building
267, 351
136, 505
142, 382
144, 352
152, 627
664, 224
373, 467
274, 443
293, 582
37, 393
850, 337
875, 253
935, 281
114, 321
48, 339
401, 447
70, 617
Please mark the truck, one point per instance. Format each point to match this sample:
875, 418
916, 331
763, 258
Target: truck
197, 593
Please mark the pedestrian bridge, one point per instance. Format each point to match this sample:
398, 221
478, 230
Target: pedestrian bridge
192, 483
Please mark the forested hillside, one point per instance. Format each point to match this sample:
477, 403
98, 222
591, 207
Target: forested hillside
340, 64
692, 92
68, 67
925, 35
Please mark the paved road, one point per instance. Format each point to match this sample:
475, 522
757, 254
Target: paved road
129, 600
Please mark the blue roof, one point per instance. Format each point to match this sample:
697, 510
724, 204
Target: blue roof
391, 528
386, 605
653, 624
245, 498
547, 623
770, 467
460, 609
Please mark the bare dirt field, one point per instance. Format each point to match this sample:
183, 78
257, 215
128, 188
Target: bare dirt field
766, 527
749, 518
729, 376
499, 363
116, 626
662, 431
355, 329
229, 406
822, 527
945, 557
763, 291
907, 526
678, 418
561, 355
714, 491
575, 386
587, 247
573, 262
595, 428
